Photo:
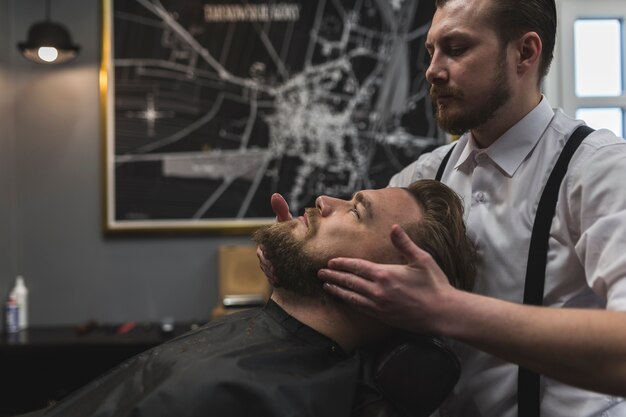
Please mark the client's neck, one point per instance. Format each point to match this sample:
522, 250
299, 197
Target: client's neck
347, 327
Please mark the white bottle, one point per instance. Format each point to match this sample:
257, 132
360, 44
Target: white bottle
20, 294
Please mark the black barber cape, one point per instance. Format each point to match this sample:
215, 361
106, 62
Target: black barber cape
259, 362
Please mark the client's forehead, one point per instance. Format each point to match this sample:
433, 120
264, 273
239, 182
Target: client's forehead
390, 204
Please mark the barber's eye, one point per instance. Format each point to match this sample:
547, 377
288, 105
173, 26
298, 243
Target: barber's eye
355, 212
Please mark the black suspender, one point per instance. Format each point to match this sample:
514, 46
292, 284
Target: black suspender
528, 390
528, 382
444, 162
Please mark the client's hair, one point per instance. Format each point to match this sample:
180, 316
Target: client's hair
441, 231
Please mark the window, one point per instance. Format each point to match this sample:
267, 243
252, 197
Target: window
611, 118
598, 57
587, 77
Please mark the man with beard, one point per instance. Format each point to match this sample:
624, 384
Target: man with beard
297, 355
488, 58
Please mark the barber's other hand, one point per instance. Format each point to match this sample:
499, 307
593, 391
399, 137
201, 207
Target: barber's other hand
281, 209
404, 296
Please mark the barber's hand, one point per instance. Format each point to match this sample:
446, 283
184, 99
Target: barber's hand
281, 209
404, 296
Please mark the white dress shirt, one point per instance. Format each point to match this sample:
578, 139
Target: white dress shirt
501, 187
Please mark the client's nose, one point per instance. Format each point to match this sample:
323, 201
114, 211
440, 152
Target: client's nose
326, 205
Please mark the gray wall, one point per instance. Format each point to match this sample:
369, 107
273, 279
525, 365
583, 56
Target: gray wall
50, 194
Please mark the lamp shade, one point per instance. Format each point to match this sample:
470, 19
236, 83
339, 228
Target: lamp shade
48, 43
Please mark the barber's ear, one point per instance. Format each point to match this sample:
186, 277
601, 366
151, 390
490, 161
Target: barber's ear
528, 48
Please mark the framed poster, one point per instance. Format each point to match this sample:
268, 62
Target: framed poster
211, 106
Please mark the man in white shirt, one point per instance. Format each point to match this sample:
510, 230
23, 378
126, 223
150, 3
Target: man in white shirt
488, 60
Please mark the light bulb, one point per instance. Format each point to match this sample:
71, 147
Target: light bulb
48, 54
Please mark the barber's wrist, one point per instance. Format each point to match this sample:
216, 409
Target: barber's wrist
460, 312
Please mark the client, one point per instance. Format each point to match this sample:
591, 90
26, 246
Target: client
298, 355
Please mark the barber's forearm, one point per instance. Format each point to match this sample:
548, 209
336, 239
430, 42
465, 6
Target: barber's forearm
584, 348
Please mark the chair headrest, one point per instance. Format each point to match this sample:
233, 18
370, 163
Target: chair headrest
417, 374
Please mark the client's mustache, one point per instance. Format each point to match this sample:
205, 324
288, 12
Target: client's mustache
313, 216
444, 91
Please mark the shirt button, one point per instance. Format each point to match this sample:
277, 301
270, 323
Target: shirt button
479, 197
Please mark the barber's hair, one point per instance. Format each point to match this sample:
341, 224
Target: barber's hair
512, 18
441, 231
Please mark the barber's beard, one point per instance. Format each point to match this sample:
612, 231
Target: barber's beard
295, 268
479, 112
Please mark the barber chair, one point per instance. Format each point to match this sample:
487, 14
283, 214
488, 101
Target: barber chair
411, 376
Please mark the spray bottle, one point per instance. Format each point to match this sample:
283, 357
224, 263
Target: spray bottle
12, 316
19, 293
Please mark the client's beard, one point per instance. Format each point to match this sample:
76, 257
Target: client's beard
295, 269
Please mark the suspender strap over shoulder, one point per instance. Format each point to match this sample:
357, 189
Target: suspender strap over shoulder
528, 389
444, 162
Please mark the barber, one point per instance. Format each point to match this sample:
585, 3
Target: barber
488, 58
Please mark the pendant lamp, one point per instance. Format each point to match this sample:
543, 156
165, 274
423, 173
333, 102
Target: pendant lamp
48, 42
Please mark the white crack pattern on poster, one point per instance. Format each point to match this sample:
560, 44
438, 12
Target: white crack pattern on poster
324, 114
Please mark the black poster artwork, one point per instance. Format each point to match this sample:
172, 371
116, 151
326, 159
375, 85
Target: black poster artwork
212, 106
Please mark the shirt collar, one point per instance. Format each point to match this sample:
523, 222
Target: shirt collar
511, 149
